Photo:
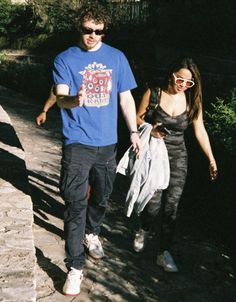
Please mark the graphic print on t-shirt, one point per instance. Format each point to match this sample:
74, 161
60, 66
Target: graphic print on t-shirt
98, 84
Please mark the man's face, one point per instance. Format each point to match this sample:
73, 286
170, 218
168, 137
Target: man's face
91, 35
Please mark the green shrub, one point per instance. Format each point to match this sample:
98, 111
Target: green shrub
53, 16
15, 21
3, 42
221, 121
2, 58
5, 15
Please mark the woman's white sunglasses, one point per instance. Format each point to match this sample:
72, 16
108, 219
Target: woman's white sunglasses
180, 81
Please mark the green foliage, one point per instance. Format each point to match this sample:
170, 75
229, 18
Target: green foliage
15, 21
60, 19
221, 121
5, 15
54, 16
3, 42
2, 57
22, 20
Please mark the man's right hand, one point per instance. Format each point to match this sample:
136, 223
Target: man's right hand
81, 94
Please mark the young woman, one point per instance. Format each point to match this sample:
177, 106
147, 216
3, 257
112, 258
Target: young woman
178, 105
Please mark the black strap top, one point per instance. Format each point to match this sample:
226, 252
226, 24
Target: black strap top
176, 124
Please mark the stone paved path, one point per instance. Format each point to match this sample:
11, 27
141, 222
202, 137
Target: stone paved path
17, 261
205, 273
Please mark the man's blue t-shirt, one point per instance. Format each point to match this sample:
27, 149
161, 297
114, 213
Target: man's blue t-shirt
104, 73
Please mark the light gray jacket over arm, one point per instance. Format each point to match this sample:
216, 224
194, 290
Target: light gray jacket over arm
149, 173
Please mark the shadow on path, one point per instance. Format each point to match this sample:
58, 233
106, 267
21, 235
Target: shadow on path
53, 271
13, 170
8, 136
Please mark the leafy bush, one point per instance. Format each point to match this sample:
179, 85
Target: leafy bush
15, 21
22, 20
2, 57
53, 16
5, 15
221, 121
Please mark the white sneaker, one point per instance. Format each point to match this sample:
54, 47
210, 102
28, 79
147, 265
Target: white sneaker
140, 240
94, 246
73, 282
167, 262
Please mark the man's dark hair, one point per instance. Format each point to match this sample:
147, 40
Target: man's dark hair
93, 11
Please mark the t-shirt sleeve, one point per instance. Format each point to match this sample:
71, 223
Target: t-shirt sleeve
60, 72
126, 80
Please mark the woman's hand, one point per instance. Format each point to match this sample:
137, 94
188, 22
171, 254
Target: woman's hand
156, 131
213, 170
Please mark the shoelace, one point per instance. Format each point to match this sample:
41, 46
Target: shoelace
73, 274
94, 240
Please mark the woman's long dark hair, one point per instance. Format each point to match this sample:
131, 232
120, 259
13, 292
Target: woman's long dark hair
194, 94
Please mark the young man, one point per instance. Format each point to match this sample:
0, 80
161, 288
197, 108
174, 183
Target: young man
88, 79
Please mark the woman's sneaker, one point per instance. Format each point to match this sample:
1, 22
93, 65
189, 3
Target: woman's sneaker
166, 261
73, 282
140, 240
94, 246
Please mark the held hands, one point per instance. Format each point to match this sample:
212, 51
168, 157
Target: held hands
213, 170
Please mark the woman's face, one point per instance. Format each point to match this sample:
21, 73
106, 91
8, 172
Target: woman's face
182, 80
